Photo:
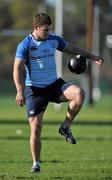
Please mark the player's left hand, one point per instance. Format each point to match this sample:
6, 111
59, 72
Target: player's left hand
98, 60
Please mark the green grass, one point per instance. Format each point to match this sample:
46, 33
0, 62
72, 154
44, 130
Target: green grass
89, 159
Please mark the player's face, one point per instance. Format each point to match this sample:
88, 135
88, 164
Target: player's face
43, 31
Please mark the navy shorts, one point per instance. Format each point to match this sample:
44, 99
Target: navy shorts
37, 98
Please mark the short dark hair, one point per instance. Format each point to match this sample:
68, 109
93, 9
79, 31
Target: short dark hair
41, 19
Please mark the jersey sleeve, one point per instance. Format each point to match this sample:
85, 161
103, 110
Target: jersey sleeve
61, 42
22, 50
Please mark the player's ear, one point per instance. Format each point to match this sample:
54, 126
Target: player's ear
35, 27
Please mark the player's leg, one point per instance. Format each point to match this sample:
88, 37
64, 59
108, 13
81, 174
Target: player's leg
35, 104
75, 95
35, 140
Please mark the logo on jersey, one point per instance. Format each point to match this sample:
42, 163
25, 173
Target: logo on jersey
45, 51
33, 48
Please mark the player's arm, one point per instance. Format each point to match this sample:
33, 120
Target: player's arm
18, 76
74, 50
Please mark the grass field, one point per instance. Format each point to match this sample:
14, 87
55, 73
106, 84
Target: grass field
90, 158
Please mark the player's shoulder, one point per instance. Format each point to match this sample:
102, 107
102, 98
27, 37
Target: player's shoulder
26, 41
54, 36
62, 43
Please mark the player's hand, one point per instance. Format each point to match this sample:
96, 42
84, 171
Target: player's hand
20, 99
98, 60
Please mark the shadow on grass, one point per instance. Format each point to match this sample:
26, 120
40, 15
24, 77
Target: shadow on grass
80, 138
28, 161
51, 122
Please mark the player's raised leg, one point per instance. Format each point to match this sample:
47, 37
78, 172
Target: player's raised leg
75, 95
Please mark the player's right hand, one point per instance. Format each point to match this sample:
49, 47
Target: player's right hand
20, 99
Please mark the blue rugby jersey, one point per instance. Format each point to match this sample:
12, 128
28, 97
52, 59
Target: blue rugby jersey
39, 59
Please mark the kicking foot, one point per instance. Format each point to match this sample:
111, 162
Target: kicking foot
66, 132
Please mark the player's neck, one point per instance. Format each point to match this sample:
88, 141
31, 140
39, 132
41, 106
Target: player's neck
37, 37
34, 34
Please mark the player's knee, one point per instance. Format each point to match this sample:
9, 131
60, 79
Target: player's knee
80, 94
35, 131
35, 134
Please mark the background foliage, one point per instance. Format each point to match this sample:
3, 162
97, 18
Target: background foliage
16, 22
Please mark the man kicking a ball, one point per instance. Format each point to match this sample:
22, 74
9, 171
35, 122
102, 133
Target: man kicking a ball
36, 54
